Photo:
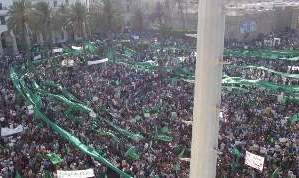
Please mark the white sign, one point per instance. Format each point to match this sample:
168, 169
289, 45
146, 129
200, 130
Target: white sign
191, 35
68, 62
37, 57
75, 174
293, 68
151, 62
135, 37
8, 131
97, 61
57, 50
254, 161
77, 47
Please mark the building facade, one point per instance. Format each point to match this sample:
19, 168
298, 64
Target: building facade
248, 26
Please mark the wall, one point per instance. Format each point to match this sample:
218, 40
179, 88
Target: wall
266, 22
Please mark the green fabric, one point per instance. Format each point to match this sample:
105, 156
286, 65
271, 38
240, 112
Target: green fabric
90, 48
291, 55
275, 173
108, 134
54, 158
164, 138
282, 74
236, 153
294, 118
132, 153
18, 175
47, 174
129, 52
180, 155
231, 81
165, 130
34, 99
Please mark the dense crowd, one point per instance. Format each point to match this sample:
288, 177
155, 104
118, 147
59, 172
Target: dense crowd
147, 102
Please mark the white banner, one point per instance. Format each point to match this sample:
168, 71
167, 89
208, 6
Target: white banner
293, 68
57, 50
8, 131
97, 61
68, 62
77, 47
37, 57
254, 161
75, 174
135, 37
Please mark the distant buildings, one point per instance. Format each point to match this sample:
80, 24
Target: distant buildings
246, 26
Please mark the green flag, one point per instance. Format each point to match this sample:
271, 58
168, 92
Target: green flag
165, 130
54, 158
275, 173
18, 175
294, 118
132, 153
164, 138
236, 153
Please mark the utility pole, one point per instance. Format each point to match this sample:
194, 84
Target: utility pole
207, 96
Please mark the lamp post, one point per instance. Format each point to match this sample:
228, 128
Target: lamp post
208, 74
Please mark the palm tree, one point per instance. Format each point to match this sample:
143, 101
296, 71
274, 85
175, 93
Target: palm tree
61, 22
78, 18
181, 7
20, 14
41, 21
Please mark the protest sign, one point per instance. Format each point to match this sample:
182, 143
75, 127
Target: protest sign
57, 50
76, 47
54, 158
97, 61
75, 174
37, 57
11, 131
254, 161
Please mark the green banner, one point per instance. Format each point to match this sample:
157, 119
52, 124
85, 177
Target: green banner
291, 55
34, 99
294, 118
54, 158
282, 74
132, 153
232, 81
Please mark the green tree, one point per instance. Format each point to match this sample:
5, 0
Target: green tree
61, 22
41, 21
78, 17
138, 20
20, 13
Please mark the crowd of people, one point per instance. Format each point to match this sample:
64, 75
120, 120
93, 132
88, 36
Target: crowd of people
146, 103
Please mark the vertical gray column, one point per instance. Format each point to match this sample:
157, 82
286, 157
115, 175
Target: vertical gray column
208, 74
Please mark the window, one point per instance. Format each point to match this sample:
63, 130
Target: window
248, 26
1, 6
2, 20
55, 3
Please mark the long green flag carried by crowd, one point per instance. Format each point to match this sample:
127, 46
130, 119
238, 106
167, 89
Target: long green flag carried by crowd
34, 99
291, 55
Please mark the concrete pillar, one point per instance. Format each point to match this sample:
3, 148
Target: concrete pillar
208, 74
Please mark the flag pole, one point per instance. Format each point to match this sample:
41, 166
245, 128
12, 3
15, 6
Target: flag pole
208, 74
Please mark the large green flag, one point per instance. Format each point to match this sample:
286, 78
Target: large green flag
54, 158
